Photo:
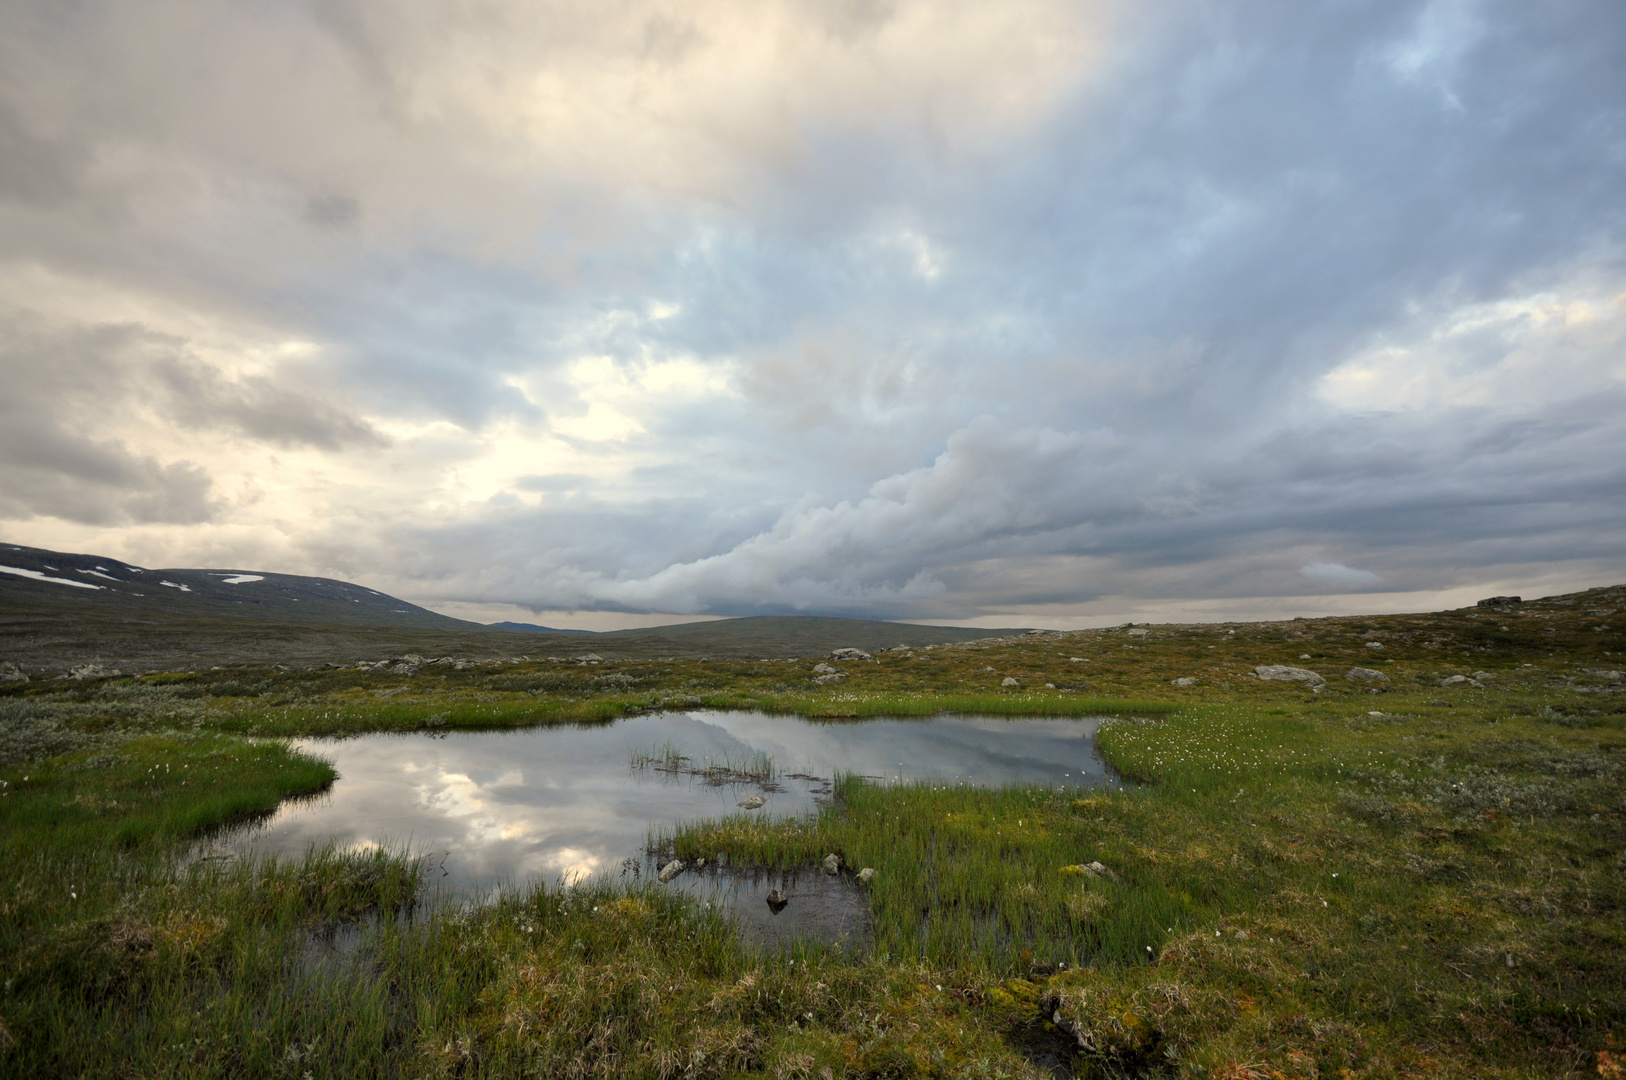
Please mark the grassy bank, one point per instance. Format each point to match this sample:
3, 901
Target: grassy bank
1385, 878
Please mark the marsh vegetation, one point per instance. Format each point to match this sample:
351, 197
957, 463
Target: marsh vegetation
1381, 879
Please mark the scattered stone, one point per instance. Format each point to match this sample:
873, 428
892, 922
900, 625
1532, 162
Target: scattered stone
1374, 645
1241, 935
590, 658
1459, 680
1008, 681
92, 671
777, 899
832, 863
671, 870
1365, 674
849, 654
1093, 870
822, 668
1139, 631
1500, 601
824, 680
753, 802
1077, 660
1284, 673
10, 673
1185, 681
866, 875
1482, 676
1608, 675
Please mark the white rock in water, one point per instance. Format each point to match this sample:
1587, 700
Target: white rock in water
671, 870
1365, 674
753, 802
1284, 673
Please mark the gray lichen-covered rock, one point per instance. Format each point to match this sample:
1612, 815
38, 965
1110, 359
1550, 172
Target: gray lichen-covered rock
1459, 680
1185, 681
849, 654
10, 673
823, 669
753, 802
1286, 673
671, 870
1365, 674
866, 875
832, 863
825, 680
92, 671
1008, 681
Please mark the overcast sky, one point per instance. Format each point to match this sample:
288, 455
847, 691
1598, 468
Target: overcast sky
1028, 313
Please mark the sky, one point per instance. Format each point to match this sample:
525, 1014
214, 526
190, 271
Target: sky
1019, 314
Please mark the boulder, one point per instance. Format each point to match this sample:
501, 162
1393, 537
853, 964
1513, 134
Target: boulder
1008, 681
1284, 673
1500, 601
671, 870
10, 673
753, 802
777, 899
823, 680
1606, 674
832, 863
849, 654
1376, 645
1139, 631
1092, 870
1365, 674
92, 671
823, 669
1185, 681
1482, 676
866, 875
1459, 680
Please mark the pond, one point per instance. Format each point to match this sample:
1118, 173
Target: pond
563, 803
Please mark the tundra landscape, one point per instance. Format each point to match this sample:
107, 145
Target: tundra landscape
1375, 846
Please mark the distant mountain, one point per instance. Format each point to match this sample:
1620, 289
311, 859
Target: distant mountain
530, 628
59, 609
34, 576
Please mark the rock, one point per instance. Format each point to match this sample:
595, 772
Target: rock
1008, 681
1092, 869
1437, 701
823, 680
1500, 601
866, 875
823, 669
849, 654
1374, 645
1606, 674
1365, 674
1139, 631
753, 802
1284, 673
777, 899
10, 673
1049, 686
1077, 660
1482, 676
1185, 681
92, 671
671, 870
1459, 680
832, 863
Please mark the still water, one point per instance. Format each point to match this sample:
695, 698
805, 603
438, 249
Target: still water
560, 804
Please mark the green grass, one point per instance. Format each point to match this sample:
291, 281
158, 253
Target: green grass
1421, 881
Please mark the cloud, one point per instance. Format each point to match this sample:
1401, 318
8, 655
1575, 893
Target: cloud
1338, 575
905, 309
